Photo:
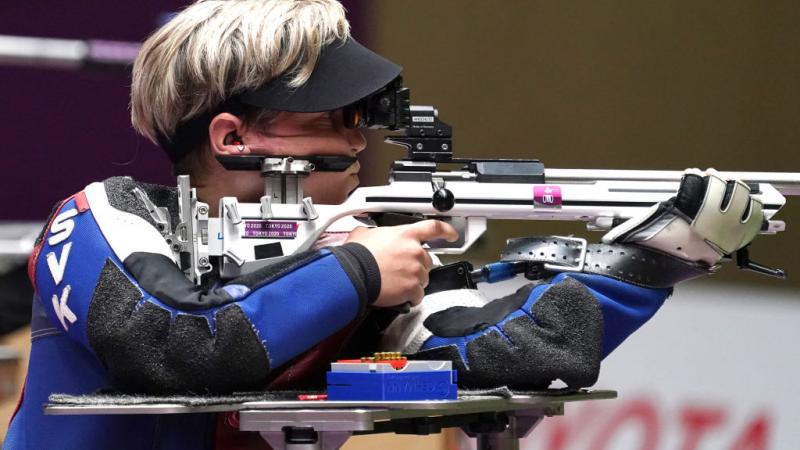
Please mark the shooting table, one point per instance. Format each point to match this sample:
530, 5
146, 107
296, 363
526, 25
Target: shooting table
497, 422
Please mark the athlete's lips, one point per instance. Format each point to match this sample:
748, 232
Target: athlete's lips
354, 169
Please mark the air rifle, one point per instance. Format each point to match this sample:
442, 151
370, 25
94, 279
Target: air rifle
429, 183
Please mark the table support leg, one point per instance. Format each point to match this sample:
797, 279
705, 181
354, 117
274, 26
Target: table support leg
508, 438
305, 438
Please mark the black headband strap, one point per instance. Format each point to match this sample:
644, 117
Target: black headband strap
191, 134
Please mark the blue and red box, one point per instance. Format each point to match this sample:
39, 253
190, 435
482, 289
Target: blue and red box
392, 380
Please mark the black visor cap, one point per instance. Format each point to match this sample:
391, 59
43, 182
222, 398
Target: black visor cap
345, 73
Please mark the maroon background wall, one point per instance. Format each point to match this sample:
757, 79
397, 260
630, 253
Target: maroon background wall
63, 129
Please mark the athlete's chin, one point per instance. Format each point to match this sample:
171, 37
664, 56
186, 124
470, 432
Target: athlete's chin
355, 183
336, 197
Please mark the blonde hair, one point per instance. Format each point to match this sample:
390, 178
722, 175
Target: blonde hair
217, 48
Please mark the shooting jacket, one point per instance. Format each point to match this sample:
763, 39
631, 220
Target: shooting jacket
113, 311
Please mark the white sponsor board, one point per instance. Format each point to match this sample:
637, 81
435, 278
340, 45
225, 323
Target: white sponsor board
716, 368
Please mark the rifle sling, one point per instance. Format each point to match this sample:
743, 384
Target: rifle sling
629, 263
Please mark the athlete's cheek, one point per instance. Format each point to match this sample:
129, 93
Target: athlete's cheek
342, 187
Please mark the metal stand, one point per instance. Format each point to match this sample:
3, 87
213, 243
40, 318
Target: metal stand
496, 422
329, 430
506, 432
304, 438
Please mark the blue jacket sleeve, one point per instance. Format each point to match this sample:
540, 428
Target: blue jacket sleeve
556, 329
107, 279
625, 307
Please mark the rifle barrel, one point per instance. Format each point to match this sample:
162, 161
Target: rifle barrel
787, 183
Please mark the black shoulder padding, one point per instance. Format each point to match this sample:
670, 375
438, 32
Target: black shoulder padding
146, 351
163, 196
159, 276
464, 320
562, 341
119, 191
362, 269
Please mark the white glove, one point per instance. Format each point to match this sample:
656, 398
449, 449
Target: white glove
710, 217
407, 333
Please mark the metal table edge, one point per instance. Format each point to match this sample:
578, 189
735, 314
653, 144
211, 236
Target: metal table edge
400, 408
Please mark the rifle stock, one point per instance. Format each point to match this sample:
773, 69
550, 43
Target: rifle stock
599, 198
